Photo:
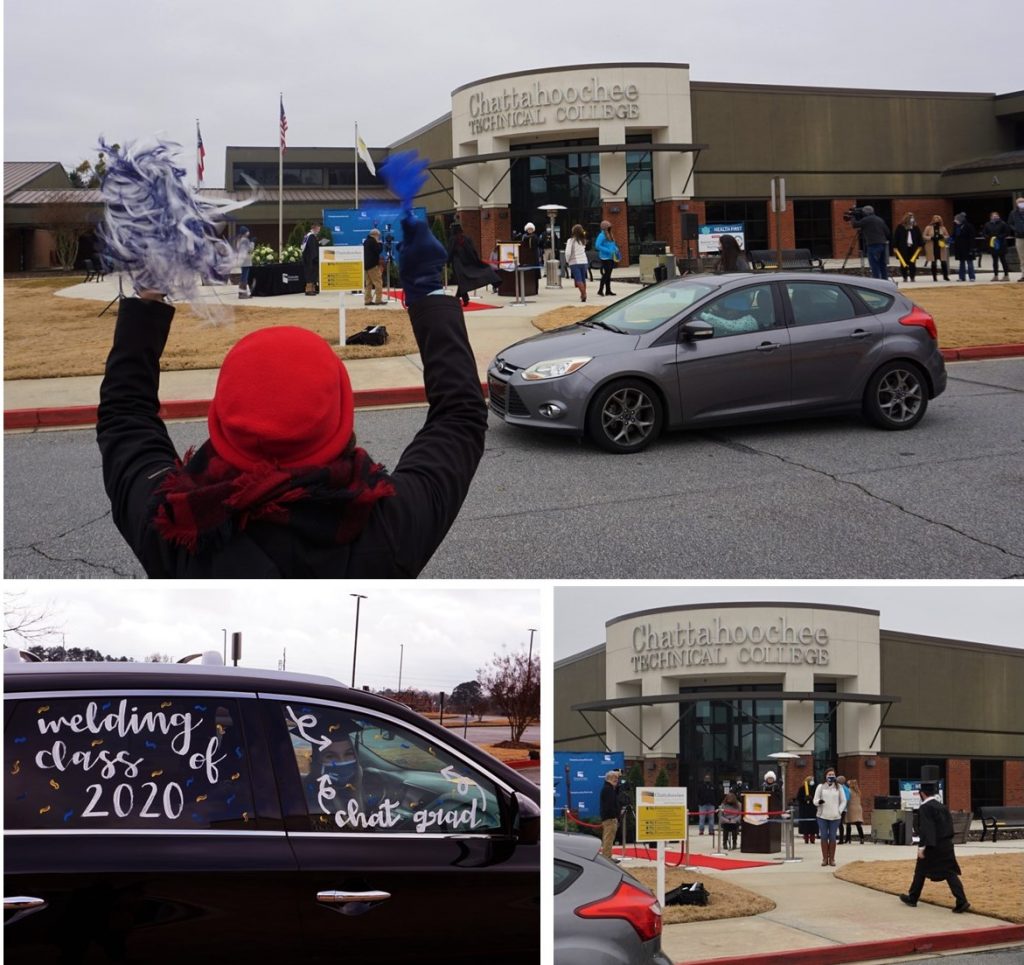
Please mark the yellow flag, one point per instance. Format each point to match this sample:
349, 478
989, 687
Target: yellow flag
364, 153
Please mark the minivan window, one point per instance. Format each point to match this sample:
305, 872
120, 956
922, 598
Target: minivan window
127, 762
741, 310
816, 302
361, 774
650, 307
876, 301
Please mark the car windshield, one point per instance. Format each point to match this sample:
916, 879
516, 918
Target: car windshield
650, 307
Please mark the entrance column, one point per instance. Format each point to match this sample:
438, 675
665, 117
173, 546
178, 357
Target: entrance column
658, 720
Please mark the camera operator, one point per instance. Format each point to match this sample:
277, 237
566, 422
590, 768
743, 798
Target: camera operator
874, 236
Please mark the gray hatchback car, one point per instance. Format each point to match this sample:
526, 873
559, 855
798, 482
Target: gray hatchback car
713, 349
603, 915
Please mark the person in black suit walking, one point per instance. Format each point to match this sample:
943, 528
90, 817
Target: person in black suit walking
935, 857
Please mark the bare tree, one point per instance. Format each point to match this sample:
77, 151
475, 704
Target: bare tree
513, 682
27, 623
67, 220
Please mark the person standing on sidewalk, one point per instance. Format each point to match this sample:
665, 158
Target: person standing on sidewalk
576, 259
609, 804
854, 810
830, 801
936, 858
608, 251
936, 247
707, 798
962, 243
907, 244
372, 249
874, 233
730, 812
244, 247
1016, 222
996, 233
280, 489
311, 259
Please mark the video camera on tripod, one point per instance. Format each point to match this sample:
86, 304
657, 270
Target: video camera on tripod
853, 213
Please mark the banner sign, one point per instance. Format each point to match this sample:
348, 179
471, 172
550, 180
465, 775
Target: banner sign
351, 226
585, 775
756, 808
910, 794
709, 235
341, 268
661, 814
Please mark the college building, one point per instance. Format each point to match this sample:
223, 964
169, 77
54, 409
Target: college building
659, 155
719, 688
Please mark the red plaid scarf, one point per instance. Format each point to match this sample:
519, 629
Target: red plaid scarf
204, 501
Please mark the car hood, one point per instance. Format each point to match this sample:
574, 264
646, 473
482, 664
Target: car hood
566, 342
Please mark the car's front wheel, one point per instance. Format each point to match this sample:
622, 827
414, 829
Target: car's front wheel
625, 416
896, 396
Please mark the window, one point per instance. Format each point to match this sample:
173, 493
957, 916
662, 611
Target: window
814, 303
361, 774
744, 310
753, 214
812, 224
565, 875
650, 307
986, 784
127, 762
877, 302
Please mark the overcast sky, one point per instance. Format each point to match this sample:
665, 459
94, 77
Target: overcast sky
125, 68
984, 614
448, 633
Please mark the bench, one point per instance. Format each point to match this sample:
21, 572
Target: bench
1001, 819
793, 259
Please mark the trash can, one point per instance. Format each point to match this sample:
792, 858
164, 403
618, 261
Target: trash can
668, 262
653, 247
660, 273
553, 274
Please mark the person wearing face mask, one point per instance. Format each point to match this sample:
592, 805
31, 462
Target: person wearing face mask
1016, 224
907, 244
936, 247
830, 801
996, 233
962, 244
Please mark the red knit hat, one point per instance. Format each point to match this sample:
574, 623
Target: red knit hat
283, 397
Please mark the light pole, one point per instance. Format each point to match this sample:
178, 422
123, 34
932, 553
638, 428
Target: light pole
225, 632
355, 640
401, 658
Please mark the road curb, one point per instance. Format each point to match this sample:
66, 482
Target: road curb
868, 951
85, 415
522, 765
1011, 350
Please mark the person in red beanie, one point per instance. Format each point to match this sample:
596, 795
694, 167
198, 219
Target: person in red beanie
281, 489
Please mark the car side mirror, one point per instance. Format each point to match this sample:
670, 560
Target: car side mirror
525, 819
695, 329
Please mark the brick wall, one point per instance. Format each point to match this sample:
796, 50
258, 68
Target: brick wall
1013, 783
923, 208
469, 218
495, 226
620, 225
958, 783
652, 765
874, 781
842, 233
787, 228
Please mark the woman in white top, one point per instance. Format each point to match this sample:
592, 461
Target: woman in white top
576, 259
831, 803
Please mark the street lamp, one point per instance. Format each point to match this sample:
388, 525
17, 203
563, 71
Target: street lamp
225, 632
355, 639
401, 658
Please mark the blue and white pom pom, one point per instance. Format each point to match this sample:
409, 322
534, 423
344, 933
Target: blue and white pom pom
157, 229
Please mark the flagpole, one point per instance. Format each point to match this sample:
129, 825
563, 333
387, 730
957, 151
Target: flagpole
280, 183
199, 157
356, 152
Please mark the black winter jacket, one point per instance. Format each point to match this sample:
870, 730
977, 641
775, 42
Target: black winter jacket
934, 826
873, 230
609, 801
431, 479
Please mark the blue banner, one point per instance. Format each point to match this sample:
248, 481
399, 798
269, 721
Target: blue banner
584, 771
351, 226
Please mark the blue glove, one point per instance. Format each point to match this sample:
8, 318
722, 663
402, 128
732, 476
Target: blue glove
420, 261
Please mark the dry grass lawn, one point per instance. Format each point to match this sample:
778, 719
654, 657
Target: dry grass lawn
48, 336
725, 900
994, 883
972, 315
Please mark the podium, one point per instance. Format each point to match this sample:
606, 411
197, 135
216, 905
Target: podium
760, 835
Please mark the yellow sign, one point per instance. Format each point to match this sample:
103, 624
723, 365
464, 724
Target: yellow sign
341, 269
661, 814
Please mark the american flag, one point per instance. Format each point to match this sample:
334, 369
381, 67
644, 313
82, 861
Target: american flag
200, 155
284, 128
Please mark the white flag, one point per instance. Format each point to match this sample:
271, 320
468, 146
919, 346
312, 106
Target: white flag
364, 153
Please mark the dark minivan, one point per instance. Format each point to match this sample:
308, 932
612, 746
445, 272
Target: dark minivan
175, 813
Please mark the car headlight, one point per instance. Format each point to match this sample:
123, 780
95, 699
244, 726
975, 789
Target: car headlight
554, 368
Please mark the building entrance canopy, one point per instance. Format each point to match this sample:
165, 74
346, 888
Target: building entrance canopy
734, 697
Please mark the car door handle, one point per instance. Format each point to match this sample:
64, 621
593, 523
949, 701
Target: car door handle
769, 346
860, 333
22, 906
349, 897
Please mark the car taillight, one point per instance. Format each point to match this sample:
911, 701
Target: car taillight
918, 316
637, 907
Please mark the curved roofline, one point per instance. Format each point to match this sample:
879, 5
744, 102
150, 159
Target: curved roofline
567, 67
742, 605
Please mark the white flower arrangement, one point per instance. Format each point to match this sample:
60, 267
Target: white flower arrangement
266, 255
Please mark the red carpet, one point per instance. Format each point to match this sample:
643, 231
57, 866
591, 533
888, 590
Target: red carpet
674, 858
473, 306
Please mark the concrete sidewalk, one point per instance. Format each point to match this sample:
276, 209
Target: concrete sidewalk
816, 910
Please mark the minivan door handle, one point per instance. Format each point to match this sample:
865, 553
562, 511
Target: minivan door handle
860, 333
769, 346
351, 897
22, 906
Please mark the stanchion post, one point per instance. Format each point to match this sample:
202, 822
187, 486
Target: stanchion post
661, 873
716, 829
341, 318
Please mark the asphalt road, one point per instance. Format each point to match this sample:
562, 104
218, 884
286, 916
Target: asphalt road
827, 498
